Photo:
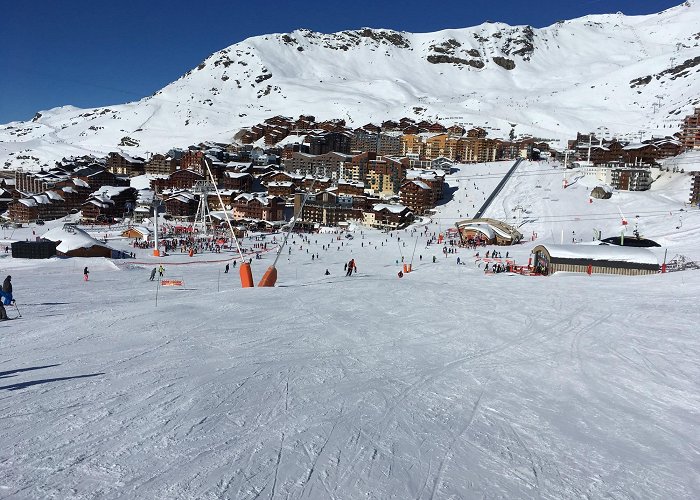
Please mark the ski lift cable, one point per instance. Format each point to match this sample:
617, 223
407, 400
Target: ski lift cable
414, 251
648, 213
291, 227
221, 202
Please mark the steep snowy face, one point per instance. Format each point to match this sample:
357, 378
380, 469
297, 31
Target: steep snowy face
629, 74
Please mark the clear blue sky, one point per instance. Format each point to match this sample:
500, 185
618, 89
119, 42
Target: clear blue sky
98, 52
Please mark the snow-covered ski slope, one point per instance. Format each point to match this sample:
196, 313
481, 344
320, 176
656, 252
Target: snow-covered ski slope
446, 383
626, 73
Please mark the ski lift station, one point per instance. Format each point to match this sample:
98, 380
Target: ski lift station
489, 231
598, 259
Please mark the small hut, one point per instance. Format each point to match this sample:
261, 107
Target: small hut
598, 259
137, 233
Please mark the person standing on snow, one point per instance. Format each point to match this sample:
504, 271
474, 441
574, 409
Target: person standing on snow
153, 274
351, 267
226, 269
7, 291
85, 273
161, 270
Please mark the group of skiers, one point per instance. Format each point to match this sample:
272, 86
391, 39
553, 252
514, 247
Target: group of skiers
226, 269
160, 269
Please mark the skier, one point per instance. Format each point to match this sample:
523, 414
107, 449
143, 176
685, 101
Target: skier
7, 291
161, 270
234, 263
85, 273
153, 274
327, 272
226, 269
350, 266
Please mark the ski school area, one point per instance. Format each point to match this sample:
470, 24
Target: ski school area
446, 382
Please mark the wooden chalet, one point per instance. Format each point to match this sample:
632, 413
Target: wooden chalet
182, 204
160, 164
283, 189
123, 164
95, 176
416, 195
49, 205
241, 181
180, 179
329, 209
257, 206
388, 217
108, 203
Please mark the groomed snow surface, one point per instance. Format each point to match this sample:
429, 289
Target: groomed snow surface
446, 383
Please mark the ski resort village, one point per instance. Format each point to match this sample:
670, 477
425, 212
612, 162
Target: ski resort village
266, 283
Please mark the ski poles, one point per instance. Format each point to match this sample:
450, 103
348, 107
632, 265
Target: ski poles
14, 303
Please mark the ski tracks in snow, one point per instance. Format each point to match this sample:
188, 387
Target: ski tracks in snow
448, 453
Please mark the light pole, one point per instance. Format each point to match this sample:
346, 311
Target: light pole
156, 252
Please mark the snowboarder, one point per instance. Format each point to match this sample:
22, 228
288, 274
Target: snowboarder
153, 274
327, 272
226, 269
85, 273
7, 291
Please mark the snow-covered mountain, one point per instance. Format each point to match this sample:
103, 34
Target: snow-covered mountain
630, 74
